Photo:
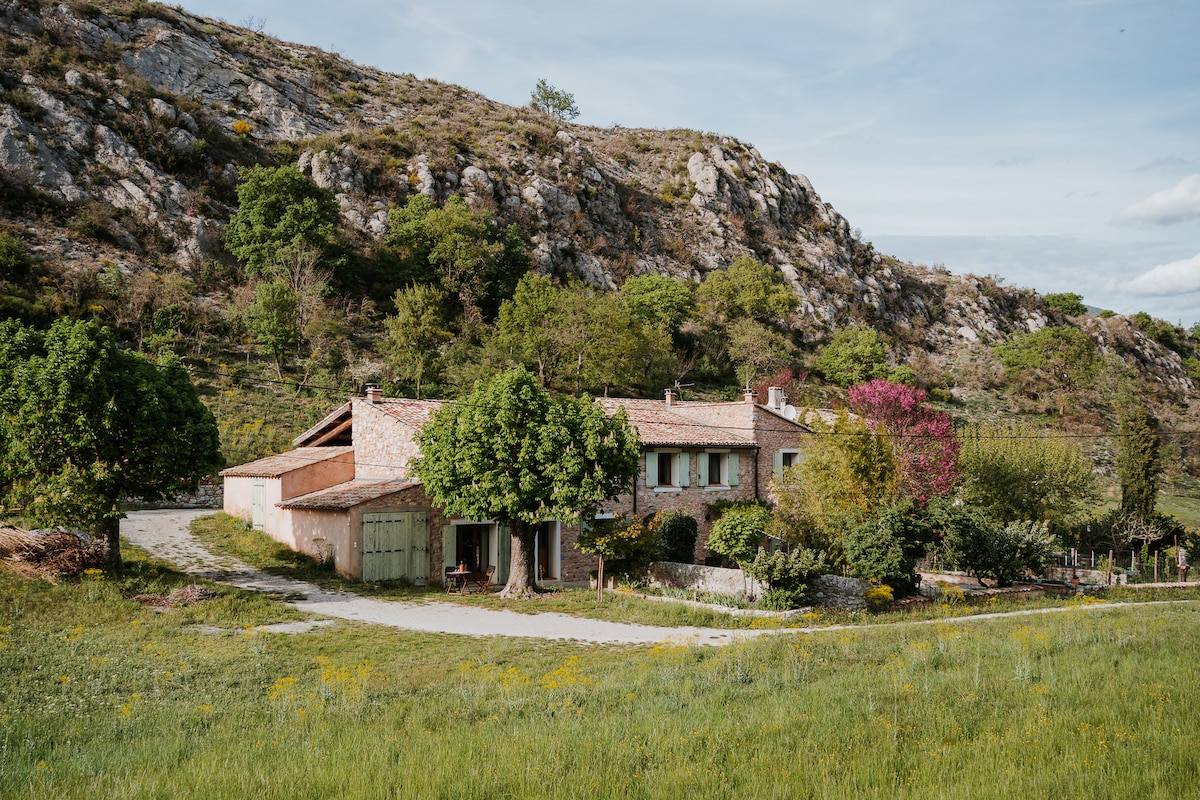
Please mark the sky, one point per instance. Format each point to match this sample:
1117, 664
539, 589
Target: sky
1051, 143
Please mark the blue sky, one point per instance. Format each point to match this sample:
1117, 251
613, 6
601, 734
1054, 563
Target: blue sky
1054, 143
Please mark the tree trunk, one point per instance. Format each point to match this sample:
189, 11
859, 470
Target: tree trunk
108, 530
522, 580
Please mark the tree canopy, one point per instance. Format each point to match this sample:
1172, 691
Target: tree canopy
553, 101
1015, 473
512, 453
921, 437
853, 355
85, 425
465, 252
278, 209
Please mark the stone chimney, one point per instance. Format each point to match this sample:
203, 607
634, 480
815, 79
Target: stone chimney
750, 396
670, 397
776, 400
374, 394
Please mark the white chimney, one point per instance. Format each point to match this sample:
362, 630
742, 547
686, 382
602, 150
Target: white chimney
750, 396
670, 397
776, 399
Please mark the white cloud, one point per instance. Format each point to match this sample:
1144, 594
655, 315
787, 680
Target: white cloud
1175, 278
1177, 204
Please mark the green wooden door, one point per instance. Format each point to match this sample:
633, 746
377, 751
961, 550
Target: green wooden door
395, 546
257, 512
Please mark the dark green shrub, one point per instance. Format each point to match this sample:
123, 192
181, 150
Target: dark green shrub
786, 574
1068, 303
886, 549
677, 531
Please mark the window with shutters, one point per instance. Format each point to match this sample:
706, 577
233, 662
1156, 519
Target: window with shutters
668, 470
785, 459
717, 469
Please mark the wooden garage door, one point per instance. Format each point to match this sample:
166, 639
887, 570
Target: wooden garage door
395, 546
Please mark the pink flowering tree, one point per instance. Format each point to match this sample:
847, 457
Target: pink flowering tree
922, 437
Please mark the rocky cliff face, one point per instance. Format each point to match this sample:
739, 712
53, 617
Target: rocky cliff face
122, 125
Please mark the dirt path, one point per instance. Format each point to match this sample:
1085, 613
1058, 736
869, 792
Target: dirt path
165, 535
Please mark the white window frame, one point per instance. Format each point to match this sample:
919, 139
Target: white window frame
554, 568
781, 457
681, 468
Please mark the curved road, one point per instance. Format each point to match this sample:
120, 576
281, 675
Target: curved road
165, 534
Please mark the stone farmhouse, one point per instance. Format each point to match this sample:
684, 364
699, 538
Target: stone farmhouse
346, 492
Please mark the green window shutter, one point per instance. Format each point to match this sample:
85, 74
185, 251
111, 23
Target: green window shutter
651, 469
449, 547
504, 549
777, 464
685, 470
732, 466
702, 469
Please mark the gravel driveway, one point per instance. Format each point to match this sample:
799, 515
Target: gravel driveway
166, 536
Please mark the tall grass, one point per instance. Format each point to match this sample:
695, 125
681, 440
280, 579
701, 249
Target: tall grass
104, 698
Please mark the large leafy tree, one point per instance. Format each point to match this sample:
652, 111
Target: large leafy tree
279, 210
747, 289
578, 339
416, 335
464, 251
1015, 472
85, 425
512, 453
853, 355
272, 318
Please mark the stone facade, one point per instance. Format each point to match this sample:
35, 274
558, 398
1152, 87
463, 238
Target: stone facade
694, 455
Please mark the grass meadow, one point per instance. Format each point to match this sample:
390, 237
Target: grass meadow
104, 698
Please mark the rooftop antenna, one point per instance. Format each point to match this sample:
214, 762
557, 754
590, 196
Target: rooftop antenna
679, 386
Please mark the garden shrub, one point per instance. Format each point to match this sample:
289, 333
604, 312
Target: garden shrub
885, 549
677, 531
879, 598
739, 532
787, 575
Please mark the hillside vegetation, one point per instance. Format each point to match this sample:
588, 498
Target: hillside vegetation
289, 221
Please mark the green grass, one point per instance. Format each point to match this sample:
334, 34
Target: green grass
105, 699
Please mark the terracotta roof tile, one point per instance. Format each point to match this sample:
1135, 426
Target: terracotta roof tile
277, 465
659, 425
413, 413
347, 495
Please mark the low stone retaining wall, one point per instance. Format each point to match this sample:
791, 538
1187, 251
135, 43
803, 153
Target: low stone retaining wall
207, 495
831, 591
730, 582
834, 591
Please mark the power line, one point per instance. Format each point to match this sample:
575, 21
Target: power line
684, 422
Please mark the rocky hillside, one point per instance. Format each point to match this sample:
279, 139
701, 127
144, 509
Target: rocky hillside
122, 125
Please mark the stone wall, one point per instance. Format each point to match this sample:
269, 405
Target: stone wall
834, 591
731, 582
207, 495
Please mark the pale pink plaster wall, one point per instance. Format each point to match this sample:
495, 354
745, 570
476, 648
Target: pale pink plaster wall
325, 533
317, 475
239, 497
